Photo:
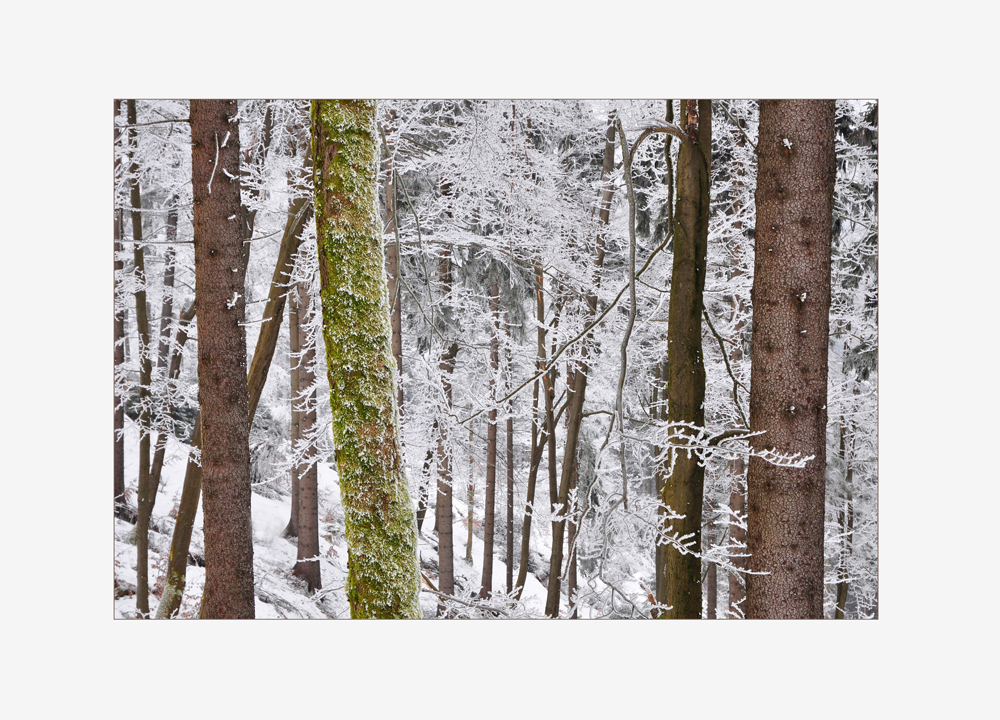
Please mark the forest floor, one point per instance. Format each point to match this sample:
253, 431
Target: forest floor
278, 593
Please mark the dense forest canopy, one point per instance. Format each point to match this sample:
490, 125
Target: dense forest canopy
533, 260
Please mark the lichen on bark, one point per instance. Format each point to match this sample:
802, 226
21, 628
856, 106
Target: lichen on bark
383, 577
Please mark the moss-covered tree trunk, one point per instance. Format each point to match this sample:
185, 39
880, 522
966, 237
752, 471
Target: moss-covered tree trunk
683, 487
791, 306
383, 579
222, 360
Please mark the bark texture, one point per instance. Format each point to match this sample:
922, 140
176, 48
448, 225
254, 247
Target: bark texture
222, 366
383, 579
684, 485
791, 302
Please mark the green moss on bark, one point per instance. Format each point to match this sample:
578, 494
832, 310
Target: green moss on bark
383, 578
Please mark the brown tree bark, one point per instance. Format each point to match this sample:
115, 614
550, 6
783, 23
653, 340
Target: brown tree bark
119, 348
145, 373
489, 511
538, 440
845, 518
510, 485
576, 391
392, 253
222, 380
266, 341
791, 302
304, 410
683, 488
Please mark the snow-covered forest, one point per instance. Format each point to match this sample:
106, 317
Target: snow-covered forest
542, 263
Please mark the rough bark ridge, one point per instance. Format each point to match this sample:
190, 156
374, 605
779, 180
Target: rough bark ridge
222, 365
383, 579
683, 487
791, 301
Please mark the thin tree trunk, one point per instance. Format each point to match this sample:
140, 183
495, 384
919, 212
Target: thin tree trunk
164, 360
443, 510
489, 512
471, 494
383, 579
145, 373
846, 521
577, 391
537, 439
295, 431
222, 378
304, 399
510, 485
711, 591
119, 267
791, 305
392, 254
683, 489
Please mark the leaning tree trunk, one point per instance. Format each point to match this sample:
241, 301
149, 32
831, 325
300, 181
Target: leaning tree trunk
791, 307
383, 578
683, 488
145, 373
576, 392
222, 376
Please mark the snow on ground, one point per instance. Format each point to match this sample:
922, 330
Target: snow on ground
278, 593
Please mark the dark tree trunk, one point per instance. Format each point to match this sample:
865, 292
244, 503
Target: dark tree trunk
119, 266
392, 255
304, 417
222, 371
510, 488
537, 439
145, 373
791, 304
845, 518
295, 431
489, 511
576, 391
711, 591
683, 488
173, 592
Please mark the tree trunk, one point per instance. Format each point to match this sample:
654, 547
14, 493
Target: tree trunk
392, 254
173, 592
510, 485
383, 574
577, 391
538, 440
470, 495
145, 374
306, 472
489, 512
119, 267
164, 359
711, 591
683, 488
845, 519
222, 375
791, 303
443, 511
295, 431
